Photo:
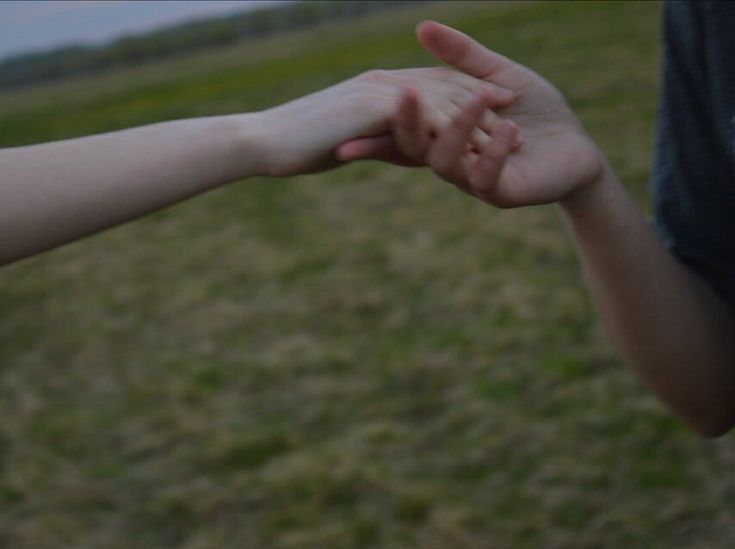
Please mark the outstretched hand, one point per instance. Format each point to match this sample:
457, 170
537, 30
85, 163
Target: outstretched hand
557, 157
462, 153
301, 136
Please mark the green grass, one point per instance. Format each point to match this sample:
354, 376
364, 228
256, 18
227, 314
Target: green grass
362, 358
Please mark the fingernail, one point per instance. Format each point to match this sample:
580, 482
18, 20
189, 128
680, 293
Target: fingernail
510, 129
502, 93
479, 98
514, 130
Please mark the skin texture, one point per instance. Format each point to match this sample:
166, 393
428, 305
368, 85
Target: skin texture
56, 192
674, 331
557, 156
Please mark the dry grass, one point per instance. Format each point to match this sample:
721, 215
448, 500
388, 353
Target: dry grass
363, 358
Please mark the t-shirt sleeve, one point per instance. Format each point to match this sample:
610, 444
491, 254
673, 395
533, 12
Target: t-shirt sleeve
694, 169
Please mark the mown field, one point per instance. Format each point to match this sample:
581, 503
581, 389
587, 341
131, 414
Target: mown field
362, 358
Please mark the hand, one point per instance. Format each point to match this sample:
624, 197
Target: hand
557, 156
301, 136
462, 152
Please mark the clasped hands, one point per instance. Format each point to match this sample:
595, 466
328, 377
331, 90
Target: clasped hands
490, 126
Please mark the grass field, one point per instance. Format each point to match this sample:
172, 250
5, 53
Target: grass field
362, 358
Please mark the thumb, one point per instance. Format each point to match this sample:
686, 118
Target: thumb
459, 50
380, 147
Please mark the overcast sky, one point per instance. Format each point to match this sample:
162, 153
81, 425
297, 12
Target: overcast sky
39, 25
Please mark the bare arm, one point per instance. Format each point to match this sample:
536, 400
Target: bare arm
675, 332
671, 327
57, 192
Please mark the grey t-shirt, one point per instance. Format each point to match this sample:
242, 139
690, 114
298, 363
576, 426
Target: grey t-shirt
694, 170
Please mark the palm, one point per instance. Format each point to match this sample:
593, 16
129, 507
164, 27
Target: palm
556, 155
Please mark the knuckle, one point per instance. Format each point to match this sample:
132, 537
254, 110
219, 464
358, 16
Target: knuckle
494, 153
440, 166
477, 185
502, 203
372, 76
414, 152
381, 75
444, 170
462, 121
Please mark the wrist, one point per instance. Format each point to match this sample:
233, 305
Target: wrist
250, 147
592, 171
590, 192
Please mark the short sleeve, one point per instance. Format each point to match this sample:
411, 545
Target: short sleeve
694, 167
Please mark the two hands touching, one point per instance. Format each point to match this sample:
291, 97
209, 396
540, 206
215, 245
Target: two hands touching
532, 149
490, 126
483, 155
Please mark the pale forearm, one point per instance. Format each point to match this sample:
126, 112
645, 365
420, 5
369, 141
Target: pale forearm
56, 192
672, 329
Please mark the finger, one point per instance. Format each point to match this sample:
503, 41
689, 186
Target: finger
437, 112
448, 147
456, 85
381, 147
410, 132
483, 175
490, 123
478, 138
361, 148
460, 51
467, 162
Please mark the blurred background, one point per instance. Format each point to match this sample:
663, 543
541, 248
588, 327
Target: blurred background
361, 358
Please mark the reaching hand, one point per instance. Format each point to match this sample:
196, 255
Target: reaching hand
461, 152
557, 157
301, 136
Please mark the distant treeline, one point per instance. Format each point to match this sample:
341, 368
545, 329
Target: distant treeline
169, 41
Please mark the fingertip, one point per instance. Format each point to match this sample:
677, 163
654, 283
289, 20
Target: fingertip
481, 100
430, 34
424, 27
501, 144
407, 114
344, 152
516, 137
508, 131
504, 95
410, 95
421, 31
